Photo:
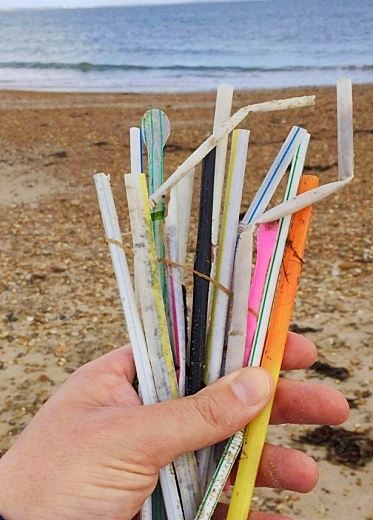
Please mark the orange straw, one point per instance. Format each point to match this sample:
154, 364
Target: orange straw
273, 353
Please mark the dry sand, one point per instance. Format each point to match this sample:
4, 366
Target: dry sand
59, 306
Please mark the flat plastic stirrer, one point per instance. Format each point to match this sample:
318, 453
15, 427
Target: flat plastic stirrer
156, 128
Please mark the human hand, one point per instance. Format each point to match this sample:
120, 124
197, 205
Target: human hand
93, 452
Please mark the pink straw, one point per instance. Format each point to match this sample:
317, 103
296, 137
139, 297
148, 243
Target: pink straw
266, 241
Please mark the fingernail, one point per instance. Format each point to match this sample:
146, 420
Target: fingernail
252, 386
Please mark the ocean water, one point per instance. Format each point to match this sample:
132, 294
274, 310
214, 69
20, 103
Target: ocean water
187, 47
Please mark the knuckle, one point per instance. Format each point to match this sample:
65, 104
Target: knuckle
212, 411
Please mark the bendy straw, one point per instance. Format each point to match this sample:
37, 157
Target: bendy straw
134, 326
277, 258
210, 143
242, 269
345, 159
155, 326
202, 265
274, 176
272, 357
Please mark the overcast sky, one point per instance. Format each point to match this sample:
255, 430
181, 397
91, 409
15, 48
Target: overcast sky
15, 4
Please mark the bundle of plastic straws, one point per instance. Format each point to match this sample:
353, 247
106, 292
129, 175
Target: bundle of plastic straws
238, 312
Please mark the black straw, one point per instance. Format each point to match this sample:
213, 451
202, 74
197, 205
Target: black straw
202, 264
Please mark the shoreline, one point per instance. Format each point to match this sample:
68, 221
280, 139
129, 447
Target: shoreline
173, 91
176, 92
58, 299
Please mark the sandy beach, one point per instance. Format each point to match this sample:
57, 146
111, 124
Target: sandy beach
59, 306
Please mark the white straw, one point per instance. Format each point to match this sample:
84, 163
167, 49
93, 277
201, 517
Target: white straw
226, 253
222, 113
156, 330
345, 159
135, 150
345, 129
241, 286
134, 327
184, 196
176, 298
224, 130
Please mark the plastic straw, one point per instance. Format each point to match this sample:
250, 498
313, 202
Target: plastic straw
242, 270
222, 113
345, 158
134, 327
176, 297
177, 236
224, 130
155, 326
345, 129
272, 357
184, 197
274, 176
202, 265
266, 242
277, 259
136, 150
226, 252
223, 274
149, 289
241, 285
216, 485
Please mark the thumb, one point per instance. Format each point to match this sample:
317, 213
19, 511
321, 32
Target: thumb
218, 411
